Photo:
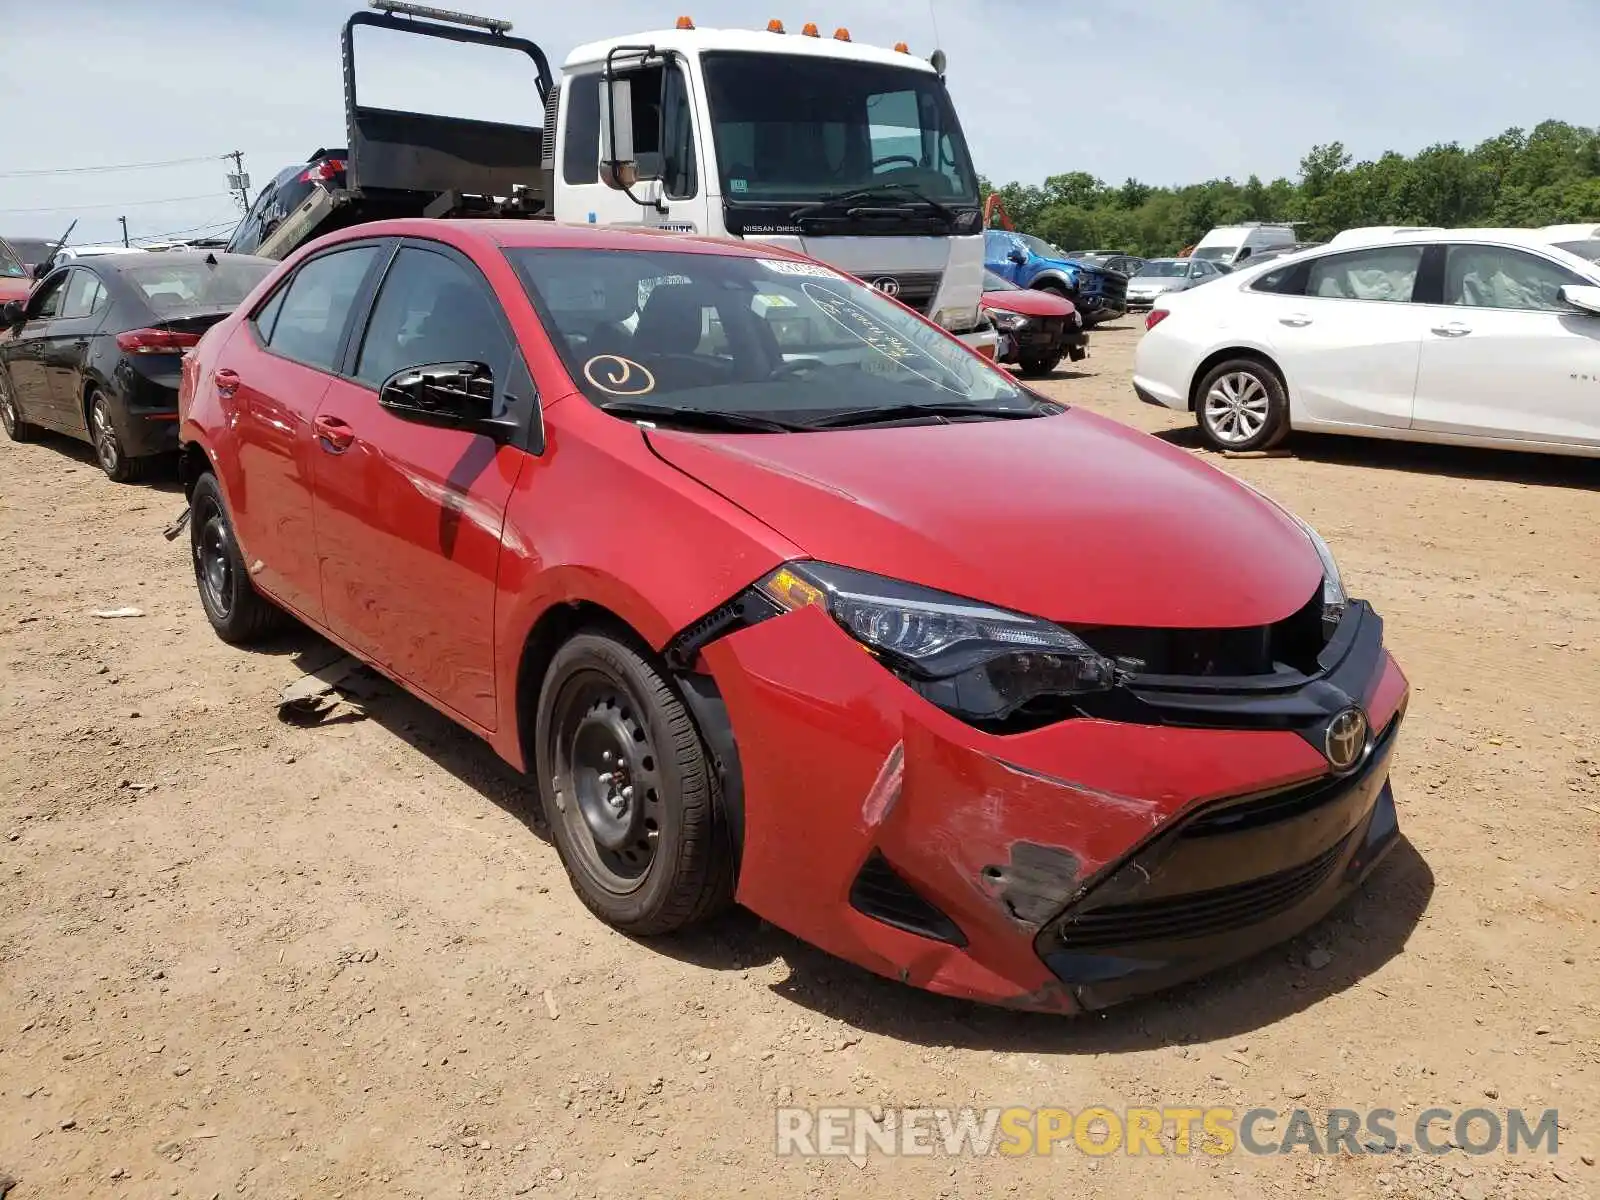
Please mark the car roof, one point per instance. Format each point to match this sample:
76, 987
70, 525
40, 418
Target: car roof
696, 41
161, 258
511, 234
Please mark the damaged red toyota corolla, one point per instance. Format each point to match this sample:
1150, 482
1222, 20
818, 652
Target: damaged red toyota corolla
782, 596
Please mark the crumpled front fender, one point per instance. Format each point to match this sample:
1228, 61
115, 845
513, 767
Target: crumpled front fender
841, 760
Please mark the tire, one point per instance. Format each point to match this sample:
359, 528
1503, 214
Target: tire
17, 429
1241, 405
629, 791
237, 612
108, 449
1041, 365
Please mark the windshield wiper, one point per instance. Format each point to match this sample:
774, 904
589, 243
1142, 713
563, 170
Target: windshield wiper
903, 412
696, 418
876, 191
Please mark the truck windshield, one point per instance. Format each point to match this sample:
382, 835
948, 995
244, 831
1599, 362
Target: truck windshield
777, 341
1215, 253
802, 127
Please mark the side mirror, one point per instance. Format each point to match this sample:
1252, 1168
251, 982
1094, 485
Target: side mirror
1581, 296
12, 314
617, 167
450, 395
1017, 256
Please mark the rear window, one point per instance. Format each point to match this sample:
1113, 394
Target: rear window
173, 287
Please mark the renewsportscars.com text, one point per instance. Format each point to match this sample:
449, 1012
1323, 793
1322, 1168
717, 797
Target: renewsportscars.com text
1100, 1131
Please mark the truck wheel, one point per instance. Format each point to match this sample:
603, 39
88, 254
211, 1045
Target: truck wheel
237, 612
1241, 405
628, 789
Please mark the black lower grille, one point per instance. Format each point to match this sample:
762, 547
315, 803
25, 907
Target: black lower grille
880, 893
1198, 914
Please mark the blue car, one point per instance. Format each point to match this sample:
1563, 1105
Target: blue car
1030, 262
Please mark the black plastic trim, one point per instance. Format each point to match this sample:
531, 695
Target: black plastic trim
749, 607
880, 893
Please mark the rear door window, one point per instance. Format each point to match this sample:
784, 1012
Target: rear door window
311, 320
1386, 273
45, 303
85, 295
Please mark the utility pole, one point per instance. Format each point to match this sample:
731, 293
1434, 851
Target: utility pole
238, 181
124, 221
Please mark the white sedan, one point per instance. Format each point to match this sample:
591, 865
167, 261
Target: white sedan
1474, 337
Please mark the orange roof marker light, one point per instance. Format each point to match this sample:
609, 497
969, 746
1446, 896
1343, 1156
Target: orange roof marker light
810, 30
841, 34
685, 23
774, 26
902, 48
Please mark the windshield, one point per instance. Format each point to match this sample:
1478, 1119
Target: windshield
994, 283
760, 337
1215, 253
792, 127
168, 287
1590, 249
10, 265
1041, 247
1170, 268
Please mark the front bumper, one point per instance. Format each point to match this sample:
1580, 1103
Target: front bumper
891, 834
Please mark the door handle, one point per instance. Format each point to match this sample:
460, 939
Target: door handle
1297, 321
1454, 329
227, 381
334, 435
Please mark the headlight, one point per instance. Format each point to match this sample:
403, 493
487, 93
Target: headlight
1008, 321
1334, 597
978, 662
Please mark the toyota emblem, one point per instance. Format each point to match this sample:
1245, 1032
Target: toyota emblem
1346, 739
888, 285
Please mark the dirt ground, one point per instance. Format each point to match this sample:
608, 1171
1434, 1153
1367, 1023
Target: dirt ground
240, 957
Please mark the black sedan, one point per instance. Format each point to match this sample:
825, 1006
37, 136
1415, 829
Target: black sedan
96, 351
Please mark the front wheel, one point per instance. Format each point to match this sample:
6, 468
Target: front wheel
628, 790
1242, 406
17, 429
1040, 364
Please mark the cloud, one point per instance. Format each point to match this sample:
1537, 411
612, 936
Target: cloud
1162, 90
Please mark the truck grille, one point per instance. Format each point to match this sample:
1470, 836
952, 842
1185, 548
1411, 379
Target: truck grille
916, 289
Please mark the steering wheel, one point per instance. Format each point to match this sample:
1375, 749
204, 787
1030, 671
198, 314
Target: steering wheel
794, 366
905, 158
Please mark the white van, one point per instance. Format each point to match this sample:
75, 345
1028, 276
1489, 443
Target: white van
1232, 245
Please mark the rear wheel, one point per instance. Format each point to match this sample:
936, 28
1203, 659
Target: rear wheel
1241, 405
629, 791
108, 449
237, 612
17, 429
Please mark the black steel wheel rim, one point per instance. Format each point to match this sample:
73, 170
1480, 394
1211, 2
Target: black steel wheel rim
607, 779
104, 435
213, 564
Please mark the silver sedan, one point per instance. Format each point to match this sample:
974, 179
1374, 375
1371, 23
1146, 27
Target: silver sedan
1160, 276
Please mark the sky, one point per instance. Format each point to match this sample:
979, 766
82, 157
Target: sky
1166, 91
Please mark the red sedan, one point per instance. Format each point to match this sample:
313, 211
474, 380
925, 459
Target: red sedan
781, 596
1037, 328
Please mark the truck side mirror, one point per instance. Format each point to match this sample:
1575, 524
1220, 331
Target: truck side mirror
617, 167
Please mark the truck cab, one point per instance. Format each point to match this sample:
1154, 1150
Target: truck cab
849, 153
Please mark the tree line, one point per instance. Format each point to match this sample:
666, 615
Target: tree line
1548, 176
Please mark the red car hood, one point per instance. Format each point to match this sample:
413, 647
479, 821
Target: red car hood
14, 289
1072, 517
1030, 302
